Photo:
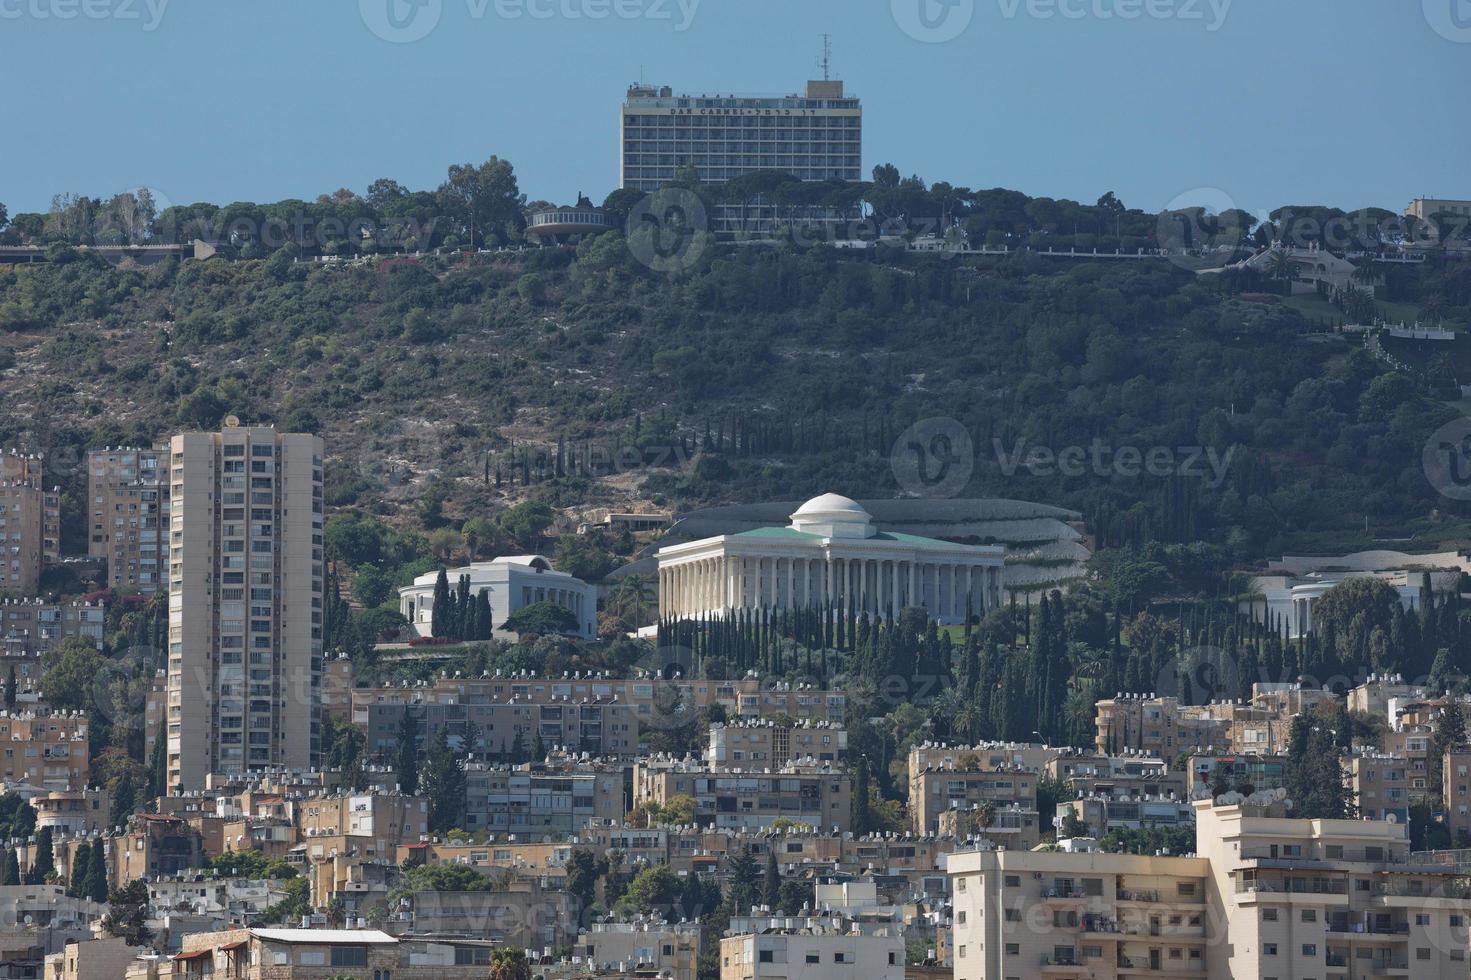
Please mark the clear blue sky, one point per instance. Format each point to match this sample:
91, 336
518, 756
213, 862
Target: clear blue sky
1339, 102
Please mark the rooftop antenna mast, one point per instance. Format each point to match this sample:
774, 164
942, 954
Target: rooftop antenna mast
827, 57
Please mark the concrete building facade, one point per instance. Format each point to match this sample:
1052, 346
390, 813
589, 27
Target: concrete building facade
245, 602
127, 511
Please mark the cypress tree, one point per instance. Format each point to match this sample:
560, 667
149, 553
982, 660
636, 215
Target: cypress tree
483, 623
43, 862
439, 617
76, 881
97, 876
10, 873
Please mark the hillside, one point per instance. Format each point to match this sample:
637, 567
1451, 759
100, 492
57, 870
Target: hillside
451, 386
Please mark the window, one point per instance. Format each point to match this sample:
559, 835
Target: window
1269, 915
814, 958
1013, 949
765, 955
1310, 915
1013, 915
1421, 919
962, 953
1309, 949
1269, 949
1422, 953
1013, 881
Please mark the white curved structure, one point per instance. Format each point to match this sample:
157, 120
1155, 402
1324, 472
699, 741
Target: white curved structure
831, 552
513, 582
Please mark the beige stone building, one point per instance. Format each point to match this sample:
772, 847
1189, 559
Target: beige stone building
1380, 783
245, 602
1094, 915
749, 799
1159, 726
127, 512
97, 959
961, 779
767, 743
648, 946
30, 523
320, 954
1267, 896
47, 750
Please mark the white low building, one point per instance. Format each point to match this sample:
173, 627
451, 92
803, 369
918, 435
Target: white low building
512, 582
831, 555
1289, 589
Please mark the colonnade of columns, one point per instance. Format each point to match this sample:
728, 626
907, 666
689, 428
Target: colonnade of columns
873, 585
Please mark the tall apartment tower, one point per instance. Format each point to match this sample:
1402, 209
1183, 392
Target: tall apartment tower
30, 523
245, 602
128, 510
814, 136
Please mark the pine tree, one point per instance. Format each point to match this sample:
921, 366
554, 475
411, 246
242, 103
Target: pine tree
444, 785
11, 689
771, 888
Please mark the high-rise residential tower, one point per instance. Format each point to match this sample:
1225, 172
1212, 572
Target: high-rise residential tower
245, 602
128, 510
30, 523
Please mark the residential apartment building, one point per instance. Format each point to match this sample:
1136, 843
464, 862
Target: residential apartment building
30, 523
1329, 898
1159, 726
768, 742
645, 946
727, 796
590, 713
245, 602
782, 701
1456, 793
848, 940
31, 627
961, 780
816, 135
317, 954
127, 510
599, 727
1266, 896
1380, 783
1236, 772
1117, 775
1106, 813
389, 818
1077, 915
43, 749
532, 800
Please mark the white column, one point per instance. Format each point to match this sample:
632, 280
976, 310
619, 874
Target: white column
791, 602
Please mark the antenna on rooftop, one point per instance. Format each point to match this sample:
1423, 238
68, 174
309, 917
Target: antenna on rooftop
827, 57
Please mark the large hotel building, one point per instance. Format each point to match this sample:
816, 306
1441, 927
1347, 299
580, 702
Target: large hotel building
245, 602
815, 136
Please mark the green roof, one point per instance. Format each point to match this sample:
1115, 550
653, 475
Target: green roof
788, 534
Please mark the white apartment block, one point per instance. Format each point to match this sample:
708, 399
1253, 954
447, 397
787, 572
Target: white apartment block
245, 602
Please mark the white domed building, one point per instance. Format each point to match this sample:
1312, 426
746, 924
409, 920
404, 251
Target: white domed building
830, 553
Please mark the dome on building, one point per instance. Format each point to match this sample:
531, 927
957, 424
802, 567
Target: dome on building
834, 516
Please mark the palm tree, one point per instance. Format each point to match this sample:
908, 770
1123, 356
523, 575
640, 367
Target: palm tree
1281, 264
986, 814
629, 597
